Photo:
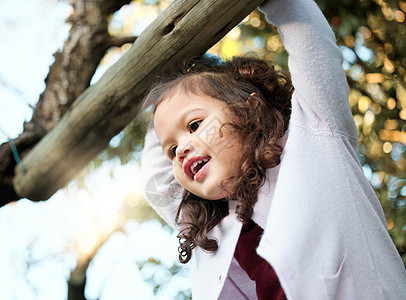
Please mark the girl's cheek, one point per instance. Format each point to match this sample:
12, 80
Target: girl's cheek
177, 172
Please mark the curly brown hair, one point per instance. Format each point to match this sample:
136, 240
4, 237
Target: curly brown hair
258, 98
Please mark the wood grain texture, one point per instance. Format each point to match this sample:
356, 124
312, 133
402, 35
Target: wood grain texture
186, 27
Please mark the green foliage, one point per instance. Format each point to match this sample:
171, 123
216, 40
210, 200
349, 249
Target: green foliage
373, 32
128, 144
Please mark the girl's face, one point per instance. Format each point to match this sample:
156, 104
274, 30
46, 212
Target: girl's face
188, 127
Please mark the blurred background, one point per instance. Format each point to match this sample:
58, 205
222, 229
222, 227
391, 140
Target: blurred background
98, 238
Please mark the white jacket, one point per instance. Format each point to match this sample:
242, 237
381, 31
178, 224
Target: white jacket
325, 232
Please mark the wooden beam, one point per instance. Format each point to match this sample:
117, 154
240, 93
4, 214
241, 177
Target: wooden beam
186, 27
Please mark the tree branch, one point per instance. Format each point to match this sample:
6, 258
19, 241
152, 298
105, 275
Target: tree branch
186, 27
68, 77
119, 41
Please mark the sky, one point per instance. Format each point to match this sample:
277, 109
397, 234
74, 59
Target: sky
41, 242
26, 54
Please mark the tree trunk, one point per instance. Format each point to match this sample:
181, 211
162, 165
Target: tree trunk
186, 27
68, 77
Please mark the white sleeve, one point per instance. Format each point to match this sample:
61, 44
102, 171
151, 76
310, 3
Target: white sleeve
161, 189
315, 64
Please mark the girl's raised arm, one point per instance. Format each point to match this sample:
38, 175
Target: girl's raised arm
160, 186
315, 64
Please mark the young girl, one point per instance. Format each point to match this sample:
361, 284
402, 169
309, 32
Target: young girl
275, 203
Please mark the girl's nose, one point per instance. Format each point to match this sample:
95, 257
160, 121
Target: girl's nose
182, 151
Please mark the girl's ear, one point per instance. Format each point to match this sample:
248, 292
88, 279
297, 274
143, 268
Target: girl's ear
252, 100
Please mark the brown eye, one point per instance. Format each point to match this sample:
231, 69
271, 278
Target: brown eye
172, 152
194, 125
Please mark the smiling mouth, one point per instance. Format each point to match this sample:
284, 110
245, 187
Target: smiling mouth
197, 165
191, 169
